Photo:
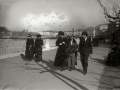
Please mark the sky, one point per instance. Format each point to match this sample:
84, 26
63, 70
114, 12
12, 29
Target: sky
21, 14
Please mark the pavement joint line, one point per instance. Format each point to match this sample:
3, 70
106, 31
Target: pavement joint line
17, 54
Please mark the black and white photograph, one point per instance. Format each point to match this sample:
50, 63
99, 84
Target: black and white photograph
59, 44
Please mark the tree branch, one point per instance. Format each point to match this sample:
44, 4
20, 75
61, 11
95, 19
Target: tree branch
110, 13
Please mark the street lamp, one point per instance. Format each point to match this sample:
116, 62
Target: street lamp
73, 31
93, 31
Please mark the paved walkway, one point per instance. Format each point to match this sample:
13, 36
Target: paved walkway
15, 75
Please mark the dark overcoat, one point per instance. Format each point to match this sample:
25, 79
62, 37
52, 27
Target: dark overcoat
29, 49
85, 46
61, 54
38, 49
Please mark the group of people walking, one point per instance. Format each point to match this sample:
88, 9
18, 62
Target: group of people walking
95, 41
66, 55
34, 48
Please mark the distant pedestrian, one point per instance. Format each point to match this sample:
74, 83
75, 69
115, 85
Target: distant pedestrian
94, 41
38, 48
29, 48
85, 49
97, 41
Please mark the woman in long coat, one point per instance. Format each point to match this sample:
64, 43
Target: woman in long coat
38, 48
61, 55
29, 48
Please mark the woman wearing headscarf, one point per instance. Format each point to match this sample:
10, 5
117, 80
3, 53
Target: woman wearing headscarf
29, 48
61, 55
38, 48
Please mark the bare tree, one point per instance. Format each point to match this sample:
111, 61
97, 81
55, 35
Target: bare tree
111, 10
112, 14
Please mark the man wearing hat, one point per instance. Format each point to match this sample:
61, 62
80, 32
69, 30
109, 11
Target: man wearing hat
38, 48
85, 49
29, 48
61, 55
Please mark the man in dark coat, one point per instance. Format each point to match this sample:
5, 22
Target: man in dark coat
85, 49
61, 55
29, 48
38, 48
97, 41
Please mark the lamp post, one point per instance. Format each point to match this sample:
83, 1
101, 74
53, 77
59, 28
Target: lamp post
73, 31
93, 31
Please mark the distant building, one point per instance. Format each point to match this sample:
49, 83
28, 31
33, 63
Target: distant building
103, 30
103, 27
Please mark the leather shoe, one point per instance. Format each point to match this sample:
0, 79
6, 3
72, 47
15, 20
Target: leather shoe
84, 73
70, 69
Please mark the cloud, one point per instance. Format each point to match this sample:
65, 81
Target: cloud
44, 22
81, 13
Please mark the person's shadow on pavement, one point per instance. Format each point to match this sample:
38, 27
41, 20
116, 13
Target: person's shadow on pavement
23, 57
59, 75
52, 70
50, 64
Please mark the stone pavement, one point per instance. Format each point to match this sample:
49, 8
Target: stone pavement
15, 75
